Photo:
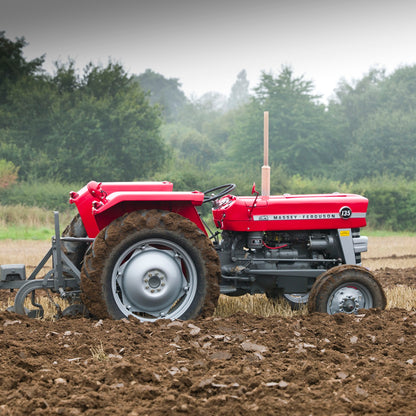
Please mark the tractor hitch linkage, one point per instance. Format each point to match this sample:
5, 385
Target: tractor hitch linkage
66, 284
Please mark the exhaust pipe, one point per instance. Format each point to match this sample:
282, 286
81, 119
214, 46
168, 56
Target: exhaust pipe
265, 170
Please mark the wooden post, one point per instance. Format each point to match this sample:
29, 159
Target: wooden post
265, 170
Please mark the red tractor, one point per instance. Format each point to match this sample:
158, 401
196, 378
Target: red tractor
151, 256
140, 249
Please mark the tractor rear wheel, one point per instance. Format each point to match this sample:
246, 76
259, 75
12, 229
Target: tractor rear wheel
151, 265
346, 289
75, 251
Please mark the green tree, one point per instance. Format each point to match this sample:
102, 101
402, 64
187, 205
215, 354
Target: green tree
239, 91
355, 101
13, 65
28, 126
111, 133
299, 126
190, 145
75, 128
203, 112
163, 91
376, 123
384, 145
8, 174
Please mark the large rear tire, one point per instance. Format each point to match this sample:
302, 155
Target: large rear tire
151, 265
346, 289
75, 250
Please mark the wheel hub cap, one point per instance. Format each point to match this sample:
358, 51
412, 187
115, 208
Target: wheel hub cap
349, 299
348, 305
155, 280
150, 289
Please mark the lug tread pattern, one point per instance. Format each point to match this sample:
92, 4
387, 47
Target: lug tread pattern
75, 251
92, 280
324, 285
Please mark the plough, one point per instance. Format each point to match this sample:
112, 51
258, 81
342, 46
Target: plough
63, 279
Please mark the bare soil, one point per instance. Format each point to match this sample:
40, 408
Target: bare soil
243, 365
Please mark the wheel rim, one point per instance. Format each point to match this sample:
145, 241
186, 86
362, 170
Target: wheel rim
153, 279
297, 298
349, 298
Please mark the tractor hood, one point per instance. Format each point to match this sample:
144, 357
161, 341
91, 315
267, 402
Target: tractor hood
290, 212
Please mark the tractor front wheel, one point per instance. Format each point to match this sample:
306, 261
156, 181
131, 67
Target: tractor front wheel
346, 289
151, 265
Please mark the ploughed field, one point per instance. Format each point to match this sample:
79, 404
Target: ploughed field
251, 357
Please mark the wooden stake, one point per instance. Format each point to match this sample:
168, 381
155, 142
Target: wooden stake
265, 170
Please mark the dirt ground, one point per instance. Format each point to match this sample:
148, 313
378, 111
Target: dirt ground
244, 365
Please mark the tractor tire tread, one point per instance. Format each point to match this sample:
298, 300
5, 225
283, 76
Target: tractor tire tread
73, 250
92, 284
322, 286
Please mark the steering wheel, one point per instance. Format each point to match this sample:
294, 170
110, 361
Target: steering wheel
223, 190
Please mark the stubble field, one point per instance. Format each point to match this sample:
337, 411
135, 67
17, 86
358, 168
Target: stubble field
251, 357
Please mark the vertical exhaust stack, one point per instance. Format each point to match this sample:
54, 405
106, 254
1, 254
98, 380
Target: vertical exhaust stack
265, 170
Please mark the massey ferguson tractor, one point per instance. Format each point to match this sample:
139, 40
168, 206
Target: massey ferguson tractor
141, 249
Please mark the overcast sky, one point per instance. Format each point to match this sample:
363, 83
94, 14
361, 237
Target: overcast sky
206, 43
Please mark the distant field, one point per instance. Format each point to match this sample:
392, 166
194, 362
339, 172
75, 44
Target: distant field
395, 252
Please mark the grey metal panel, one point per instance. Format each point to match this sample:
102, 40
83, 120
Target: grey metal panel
347, 245
360, 244
10, 272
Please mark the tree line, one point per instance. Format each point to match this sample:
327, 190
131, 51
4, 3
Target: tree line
72, 127
104, 124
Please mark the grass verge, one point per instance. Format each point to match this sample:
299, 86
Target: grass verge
385, 233
30, 223
19, 232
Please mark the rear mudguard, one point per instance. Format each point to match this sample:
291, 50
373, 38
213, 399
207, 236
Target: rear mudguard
101, 203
